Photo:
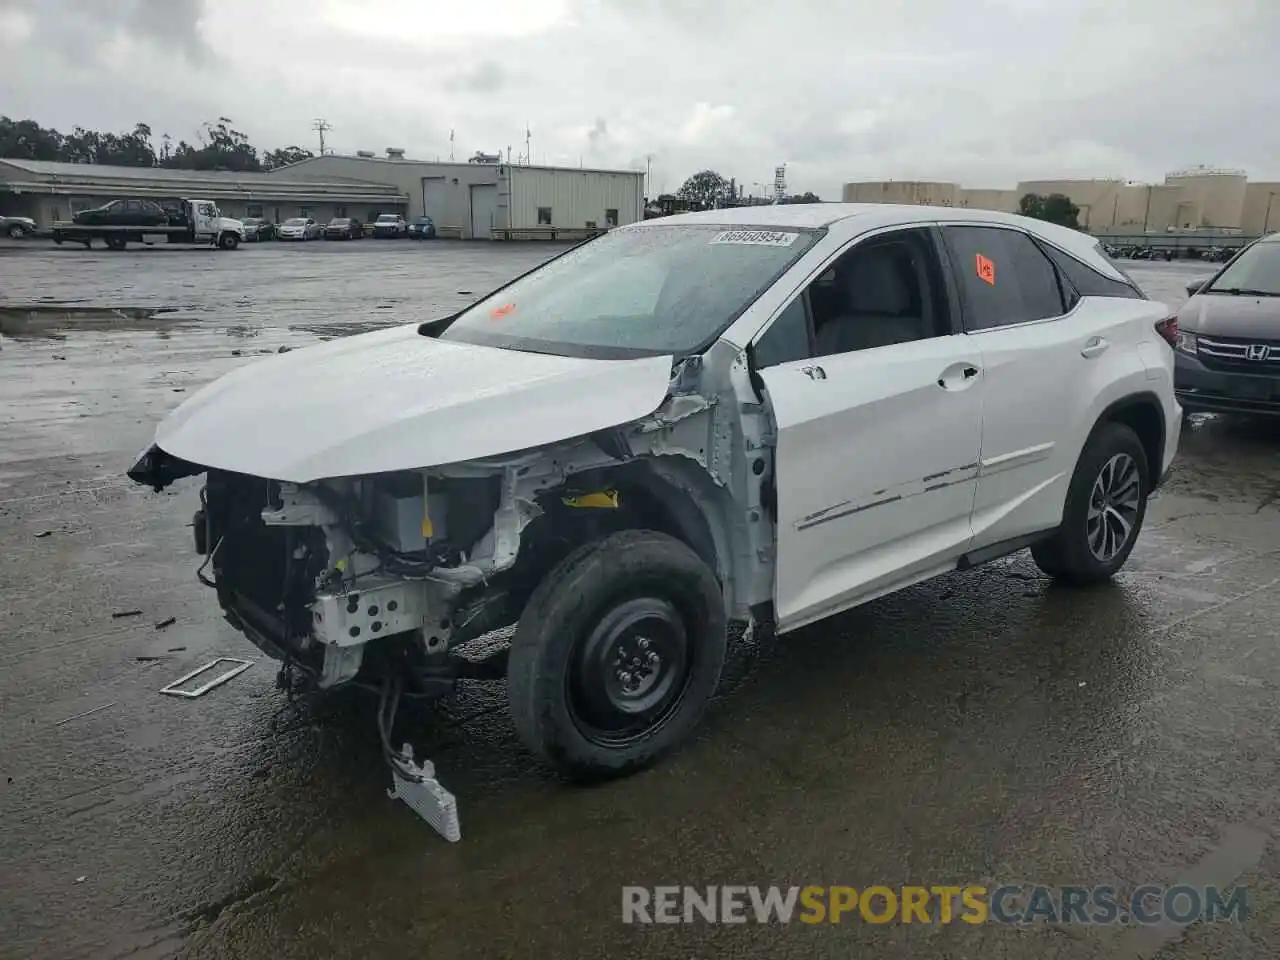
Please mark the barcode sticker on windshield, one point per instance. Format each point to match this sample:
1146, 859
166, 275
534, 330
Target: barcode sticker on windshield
763, 238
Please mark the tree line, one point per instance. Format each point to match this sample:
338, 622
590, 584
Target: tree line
218, 146
708, 189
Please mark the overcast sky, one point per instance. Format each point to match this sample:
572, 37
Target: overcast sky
986, 92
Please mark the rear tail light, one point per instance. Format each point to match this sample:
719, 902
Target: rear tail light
1168, 329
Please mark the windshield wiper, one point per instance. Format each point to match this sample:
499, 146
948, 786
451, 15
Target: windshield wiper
1244, 292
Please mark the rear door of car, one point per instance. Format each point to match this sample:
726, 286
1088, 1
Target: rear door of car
1047, 354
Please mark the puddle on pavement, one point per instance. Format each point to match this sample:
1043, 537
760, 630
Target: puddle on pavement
348, 328
52, 321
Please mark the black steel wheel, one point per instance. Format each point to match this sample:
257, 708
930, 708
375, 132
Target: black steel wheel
617, 654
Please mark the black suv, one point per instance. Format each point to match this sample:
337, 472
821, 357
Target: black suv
1228, 350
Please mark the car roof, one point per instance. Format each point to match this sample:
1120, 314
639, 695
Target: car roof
862, 217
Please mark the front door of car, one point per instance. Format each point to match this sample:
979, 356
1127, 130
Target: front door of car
878, 412
1039, 350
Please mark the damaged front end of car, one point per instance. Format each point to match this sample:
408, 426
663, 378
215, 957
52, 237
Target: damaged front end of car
381, 580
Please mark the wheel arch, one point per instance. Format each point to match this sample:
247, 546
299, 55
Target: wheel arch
662, 493
1142, 413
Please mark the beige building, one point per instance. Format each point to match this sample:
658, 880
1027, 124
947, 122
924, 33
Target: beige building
494, 199
1198, 198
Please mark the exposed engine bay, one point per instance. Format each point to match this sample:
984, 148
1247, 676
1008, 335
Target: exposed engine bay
381, 580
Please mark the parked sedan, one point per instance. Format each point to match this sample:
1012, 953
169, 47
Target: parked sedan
256, 228
299, 228
422, 229
344, 228
390, 225
15, 228
125, 213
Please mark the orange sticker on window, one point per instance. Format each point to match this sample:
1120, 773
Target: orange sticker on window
499, 312
986, 270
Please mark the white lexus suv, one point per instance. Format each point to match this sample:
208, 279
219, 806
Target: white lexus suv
768, 414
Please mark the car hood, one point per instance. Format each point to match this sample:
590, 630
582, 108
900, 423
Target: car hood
396, 400
1227, 316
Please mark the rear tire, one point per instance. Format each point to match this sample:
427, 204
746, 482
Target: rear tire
116, 243
617, 654
1106, 504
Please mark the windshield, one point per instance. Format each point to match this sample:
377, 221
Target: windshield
339, 222
295, 222
388, 218
643, 291
252, 221
1256, 271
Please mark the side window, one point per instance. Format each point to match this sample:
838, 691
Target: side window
1088, 281
786, 339
885, 290
1004, 278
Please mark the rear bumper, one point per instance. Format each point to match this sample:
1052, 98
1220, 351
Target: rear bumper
1202, 390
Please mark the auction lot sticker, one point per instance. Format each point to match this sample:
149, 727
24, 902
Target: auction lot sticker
759, 238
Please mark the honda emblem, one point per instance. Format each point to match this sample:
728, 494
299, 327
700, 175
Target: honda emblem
1258, 351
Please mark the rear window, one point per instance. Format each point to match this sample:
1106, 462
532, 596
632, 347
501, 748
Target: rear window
669, 289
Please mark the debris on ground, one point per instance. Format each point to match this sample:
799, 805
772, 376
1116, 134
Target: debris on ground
44, 533
120, 614
172, 689
81, 879
167, 622
150, 659
176, 649
79, 716
284, 349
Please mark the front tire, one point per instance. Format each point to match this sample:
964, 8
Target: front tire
228, 241
1106, 504
16, 232
617, 654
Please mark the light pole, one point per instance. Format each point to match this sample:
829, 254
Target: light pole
1266, 220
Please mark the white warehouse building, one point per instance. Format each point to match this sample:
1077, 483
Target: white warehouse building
495, 200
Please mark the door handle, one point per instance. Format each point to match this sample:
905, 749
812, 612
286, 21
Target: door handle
1094, 347
958, 376
814, 372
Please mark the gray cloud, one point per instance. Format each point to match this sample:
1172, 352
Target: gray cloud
489, 77
71, 28
986, 92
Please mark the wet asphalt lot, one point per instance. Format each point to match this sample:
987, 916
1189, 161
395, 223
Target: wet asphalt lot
982, 728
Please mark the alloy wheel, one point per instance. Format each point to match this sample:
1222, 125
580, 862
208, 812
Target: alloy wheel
1114, 502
